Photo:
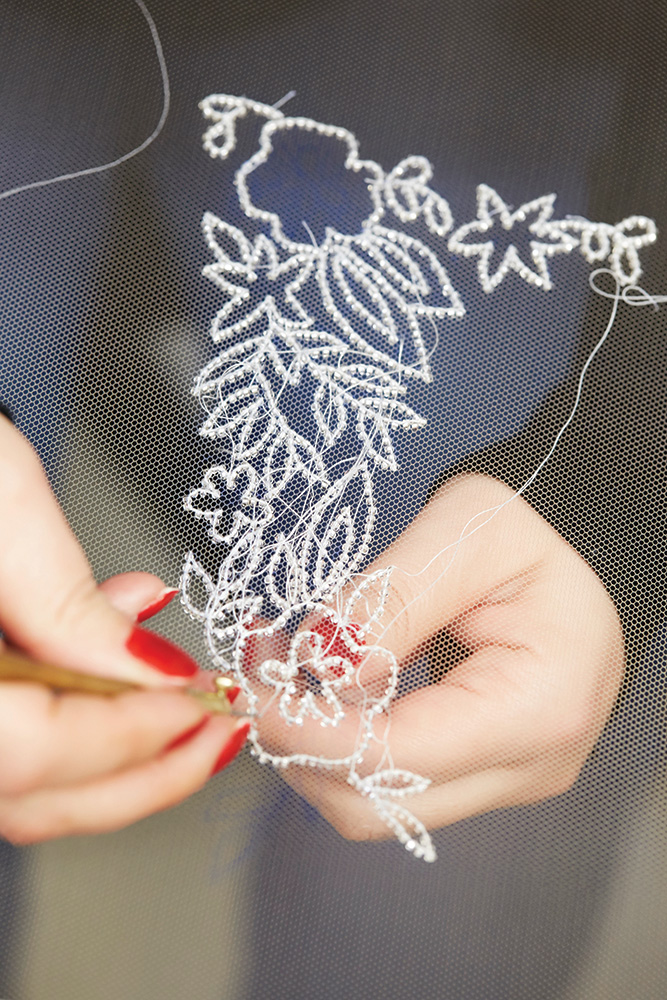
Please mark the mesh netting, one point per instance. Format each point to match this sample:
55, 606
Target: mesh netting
414, 500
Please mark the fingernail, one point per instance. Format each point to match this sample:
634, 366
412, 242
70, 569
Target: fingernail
251, 653
232, 694
160, 602
232, 747
189, 734
335, 645
160, 654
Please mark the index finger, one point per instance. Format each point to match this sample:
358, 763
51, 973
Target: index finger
545, 640
541, 680
50, 605
471, 539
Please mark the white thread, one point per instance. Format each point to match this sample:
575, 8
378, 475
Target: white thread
166, 98
225, 112
284, 99
632, 295
409, 196
375, 289
618, 296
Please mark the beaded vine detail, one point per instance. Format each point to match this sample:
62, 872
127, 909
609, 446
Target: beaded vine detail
328, 331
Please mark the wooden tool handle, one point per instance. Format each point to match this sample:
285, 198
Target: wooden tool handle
16, 667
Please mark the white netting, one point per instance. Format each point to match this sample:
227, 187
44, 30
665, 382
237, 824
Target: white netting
422, 521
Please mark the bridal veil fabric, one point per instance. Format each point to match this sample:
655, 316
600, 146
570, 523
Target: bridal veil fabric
366, 346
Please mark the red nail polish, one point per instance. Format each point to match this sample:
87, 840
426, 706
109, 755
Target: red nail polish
251, 656
232, 747
188, 735
233, 693
334, 643
162, 601
160, 653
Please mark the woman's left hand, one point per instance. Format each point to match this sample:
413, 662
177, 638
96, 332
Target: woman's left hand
514, 721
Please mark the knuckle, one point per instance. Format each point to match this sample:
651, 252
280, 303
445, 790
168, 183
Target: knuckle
353, 828
478, 487
564, 779
350, 815
543, 784
356, 822
71, 615
572, 729
75, 605
21, 833
563, 729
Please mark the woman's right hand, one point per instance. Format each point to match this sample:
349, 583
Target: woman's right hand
72, 763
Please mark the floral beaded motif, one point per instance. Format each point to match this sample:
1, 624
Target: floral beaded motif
326, 316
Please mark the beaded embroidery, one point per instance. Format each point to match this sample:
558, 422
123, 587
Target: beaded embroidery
295, 546
617, 245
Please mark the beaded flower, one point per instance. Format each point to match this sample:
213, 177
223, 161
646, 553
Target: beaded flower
332, 298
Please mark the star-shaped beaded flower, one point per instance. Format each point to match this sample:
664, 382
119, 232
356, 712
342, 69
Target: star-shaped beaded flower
528, 221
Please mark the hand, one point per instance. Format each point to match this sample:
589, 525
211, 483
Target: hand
71, 763
513, 721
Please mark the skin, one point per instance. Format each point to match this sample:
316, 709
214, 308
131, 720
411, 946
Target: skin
512, 723
76, 764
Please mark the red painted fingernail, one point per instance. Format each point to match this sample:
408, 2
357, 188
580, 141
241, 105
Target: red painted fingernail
158, 604
251, 653
160, 653
232, 747
233, 693
189, 734
335, 645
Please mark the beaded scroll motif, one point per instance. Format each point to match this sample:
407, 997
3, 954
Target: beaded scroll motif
326, 331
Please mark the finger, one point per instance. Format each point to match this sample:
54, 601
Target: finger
123, 798
443, 566
499, 715
504, 709
440, 732
548, 662
48, 740
138, 595
50, 605
440, 567
355, 818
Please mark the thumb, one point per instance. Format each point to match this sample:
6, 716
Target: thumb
435, 571
138, 595
50, 605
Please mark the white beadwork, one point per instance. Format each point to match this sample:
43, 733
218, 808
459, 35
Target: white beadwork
491, 212
372, 172
345, 322
409, 196
616, 245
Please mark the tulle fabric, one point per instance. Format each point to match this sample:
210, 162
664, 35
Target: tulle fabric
246, 891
